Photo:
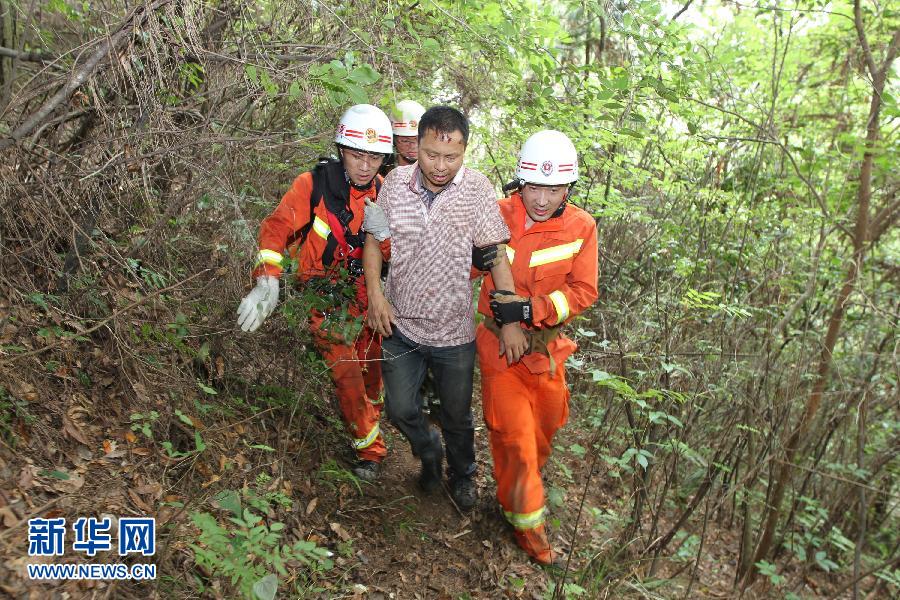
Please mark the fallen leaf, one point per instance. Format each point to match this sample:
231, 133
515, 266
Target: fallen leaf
342, 533
108, 446
220, 366
140, 451
67, 486
152, 489
139, 503
130, 437
72, 429
26, 478
311, 506
213, 480
8, 517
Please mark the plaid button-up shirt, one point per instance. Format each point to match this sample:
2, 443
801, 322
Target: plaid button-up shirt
431, 252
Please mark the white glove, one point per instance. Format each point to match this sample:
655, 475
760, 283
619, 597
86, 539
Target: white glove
376, 222
259, 303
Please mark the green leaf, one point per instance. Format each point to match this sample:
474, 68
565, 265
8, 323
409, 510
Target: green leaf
357, 94
206, 389
577, 450
229, 500
183, 418
259, 447
364, 75
38, 299
642, 460
294, 90
54, 474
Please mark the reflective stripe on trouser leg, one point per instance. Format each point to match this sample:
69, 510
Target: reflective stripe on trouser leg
358, 414
365, 442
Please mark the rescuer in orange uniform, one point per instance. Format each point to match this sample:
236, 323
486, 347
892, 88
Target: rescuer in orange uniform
405, 122
553, 252
319, 222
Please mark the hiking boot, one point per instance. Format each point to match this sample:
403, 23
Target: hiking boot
367, 470
464, 492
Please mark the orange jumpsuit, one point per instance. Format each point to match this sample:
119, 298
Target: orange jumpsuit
354, 364
555, 264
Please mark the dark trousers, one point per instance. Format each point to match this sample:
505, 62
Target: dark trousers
403, 370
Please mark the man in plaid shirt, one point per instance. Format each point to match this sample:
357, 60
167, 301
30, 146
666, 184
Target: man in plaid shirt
436, 210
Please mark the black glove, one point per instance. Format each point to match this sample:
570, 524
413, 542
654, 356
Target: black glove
507, 307
485, 258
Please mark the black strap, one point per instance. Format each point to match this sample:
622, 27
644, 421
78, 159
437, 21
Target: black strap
331, 185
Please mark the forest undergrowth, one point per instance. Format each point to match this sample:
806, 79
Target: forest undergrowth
734, 428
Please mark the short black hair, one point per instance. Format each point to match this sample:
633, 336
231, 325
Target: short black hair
444, 119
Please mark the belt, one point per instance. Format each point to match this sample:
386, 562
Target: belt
538, 339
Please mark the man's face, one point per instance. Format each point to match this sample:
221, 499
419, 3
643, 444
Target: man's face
361, 166
407, 147
440, 157
541, 201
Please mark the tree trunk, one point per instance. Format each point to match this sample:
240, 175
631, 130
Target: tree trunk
860, 244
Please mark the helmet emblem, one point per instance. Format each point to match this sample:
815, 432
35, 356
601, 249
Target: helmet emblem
547, 168
341, 129
413, 124
371, 136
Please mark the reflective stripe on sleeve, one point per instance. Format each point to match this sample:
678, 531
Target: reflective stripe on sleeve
555, 253
525, 520
321, 228
361, 443
268, 257
510, 254
561, 305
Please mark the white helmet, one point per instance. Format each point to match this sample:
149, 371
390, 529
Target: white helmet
365, 127
548, 158
406, 118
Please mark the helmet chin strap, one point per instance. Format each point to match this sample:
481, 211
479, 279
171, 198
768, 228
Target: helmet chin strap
561, 208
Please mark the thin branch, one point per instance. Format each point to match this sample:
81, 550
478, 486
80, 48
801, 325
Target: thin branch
863, 41
102, 323
26, 56
79, 76
681, 11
